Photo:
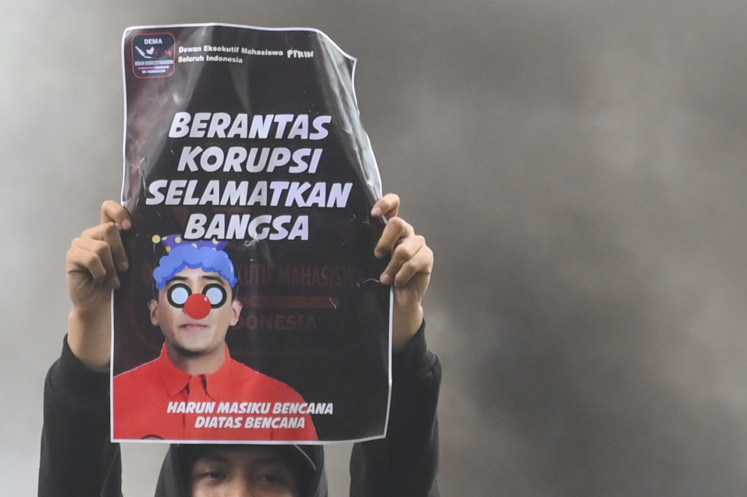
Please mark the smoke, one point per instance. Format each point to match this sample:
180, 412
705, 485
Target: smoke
577, 167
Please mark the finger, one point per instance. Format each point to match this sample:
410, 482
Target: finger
420, 264
108, 233
387, 206
394, 231
93, 259
111, 211
408, 258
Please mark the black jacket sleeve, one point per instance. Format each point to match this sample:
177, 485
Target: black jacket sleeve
77, 456
404, 464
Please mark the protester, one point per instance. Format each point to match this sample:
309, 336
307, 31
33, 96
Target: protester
78, 458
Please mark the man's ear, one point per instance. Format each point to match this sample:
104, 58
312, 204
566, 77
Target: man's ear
153, 306
236, 307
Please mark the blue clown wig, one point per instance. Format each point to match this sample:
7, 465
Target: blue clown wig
206, 255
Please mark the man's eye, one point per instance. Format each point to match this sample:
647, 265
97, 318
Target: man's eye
209, 478
208, 472
216, 294
276, 479
178, 295
212, 475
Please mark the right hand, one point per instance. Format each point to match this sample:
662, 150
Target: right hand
92, 266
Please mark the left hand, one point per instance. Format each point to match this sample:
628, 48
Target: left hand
408, 271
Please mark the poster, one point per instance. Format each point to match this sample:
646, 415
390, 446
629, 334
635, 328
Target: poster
252, 309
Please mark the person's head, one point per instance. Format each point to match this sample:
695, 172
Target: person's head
249, 470
196, 301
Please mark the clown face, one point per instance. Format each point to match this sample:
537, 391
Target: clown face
194, 311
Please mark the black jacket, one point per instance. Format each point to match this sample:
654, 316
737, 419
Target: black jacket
79, 460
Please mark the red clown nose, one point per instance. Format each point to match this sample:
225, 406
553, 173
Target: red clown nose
197, 306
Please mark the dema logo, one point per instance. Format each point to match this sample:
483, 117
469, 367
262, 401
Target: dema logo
153, 55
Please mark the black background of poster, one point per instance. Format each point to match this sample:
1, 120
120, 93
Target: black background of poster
343, 357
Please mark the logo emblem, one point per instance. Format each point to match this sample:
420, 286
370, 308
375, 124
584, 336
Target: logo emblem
153, 55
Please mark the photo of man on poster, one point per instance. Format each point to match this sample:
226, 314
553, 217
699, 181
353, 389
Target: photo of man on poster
195, 390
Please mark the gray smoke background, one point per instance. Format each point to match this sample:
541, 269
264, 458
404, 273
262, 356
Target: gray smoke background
578, 167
